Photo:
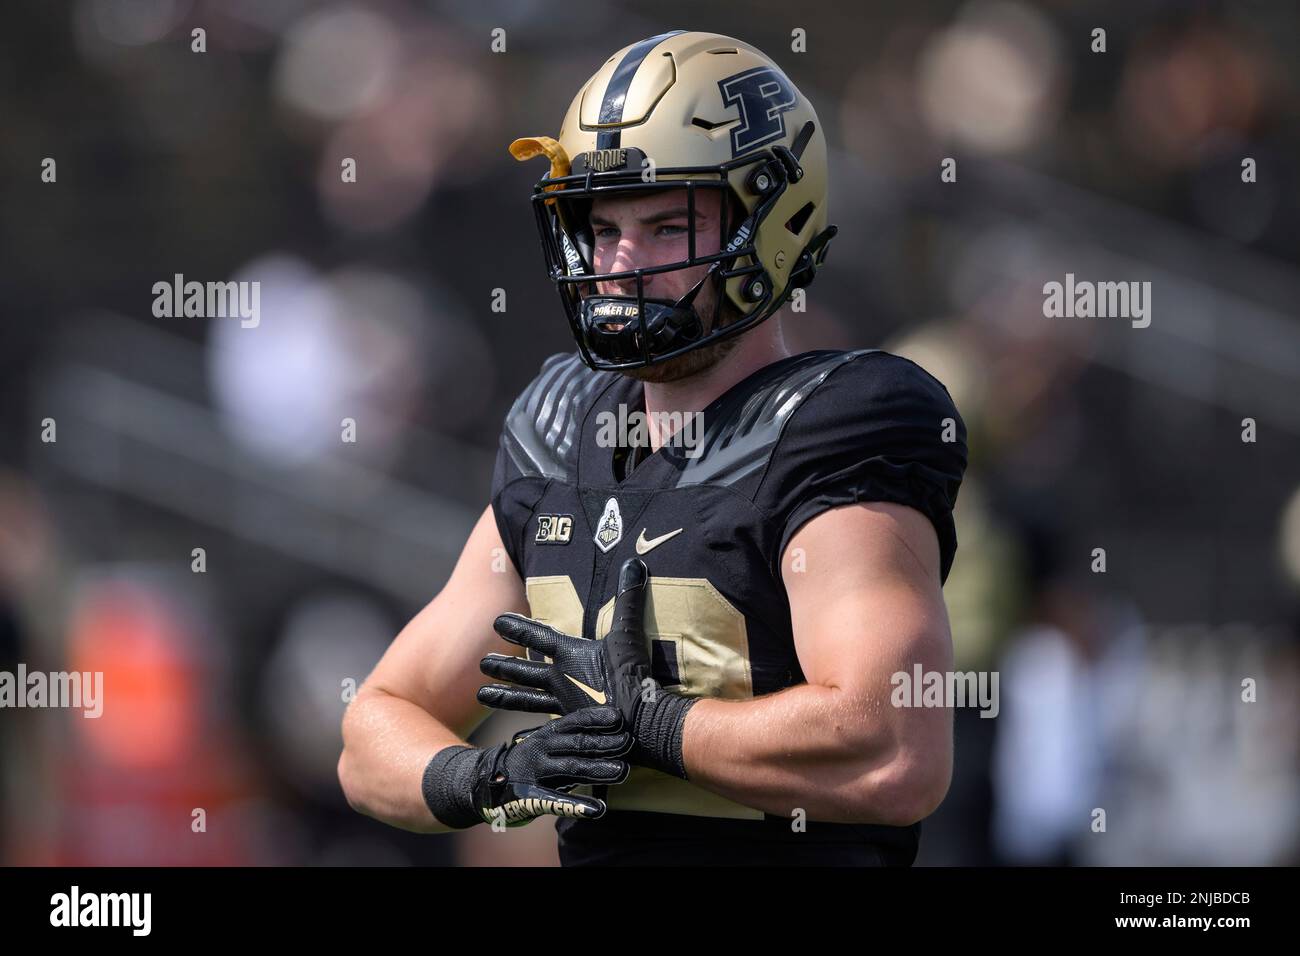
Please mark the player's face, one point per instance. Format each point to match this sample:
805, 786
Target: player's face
638, 231
634, 232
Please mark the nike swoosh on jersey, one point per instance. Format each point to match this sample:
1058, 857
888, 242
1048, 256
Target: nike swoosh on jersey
642, 545
597, 695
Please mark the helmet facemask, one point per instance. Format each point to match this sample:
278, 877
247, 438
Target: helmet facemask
619, 331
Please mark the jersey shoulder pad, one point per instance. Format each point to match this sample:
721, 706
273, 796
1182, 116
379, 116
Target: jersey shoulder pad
739, 438
541, 437
877, 427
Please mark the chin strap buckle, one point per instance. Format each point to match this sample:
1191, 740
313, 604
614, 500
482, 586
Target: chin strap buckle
793, 171
805, 270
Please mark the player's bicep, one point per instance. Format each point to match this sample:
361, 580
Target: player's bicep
434, 661
865, 598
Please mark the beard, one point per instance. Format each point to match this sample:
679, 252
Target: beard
695, 361
684, 366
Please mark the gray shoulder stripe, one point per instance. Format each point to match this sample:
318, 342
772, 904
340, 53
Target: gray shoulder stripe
741, 442
541, 433
559, 436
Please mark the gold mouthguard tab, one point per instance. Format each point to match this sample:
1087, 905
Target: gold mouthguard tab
531, 146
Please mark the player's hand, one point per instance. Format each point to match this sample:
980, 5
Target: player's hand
613, 671
530, 776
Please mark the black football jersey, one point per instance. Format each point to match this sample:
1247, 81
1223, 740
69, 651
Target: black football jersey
711, 516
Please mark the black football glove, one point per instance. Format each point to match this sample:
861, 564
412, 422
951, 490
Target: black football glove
516, 782
614, 671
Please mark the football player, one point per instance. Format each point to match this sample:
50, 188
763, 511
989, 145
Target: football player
717, 554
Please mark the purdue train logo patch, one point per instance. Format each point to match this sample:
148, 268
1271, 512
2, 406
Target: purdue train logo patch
610, 530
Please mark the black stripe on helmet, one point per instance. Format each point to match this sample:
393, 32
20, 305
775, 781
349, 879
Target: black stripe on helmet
611, 109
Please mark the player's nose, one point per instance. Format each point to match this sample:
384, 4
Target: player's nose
627, 286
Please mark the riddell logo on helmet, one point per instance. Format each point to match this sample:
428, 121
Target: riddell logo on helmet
571, 258
741, 237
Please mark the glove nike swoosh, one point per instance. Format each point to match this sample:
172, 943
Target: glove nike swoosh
597, 695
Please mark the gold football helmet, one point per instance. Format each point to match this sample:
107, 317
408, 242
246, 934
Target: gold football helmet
684, 111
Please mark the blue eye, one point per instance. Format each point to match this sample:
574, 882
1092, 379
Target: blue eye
611, 233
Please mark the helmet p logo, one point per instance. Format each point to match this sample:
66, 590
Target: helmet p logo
762, 96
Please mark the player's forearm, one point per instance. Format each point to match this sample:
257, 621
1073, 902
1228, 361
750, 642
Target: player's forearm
387, 744
813, 748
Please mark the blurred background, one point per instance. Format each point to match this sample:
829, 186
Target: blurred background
1120, 690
